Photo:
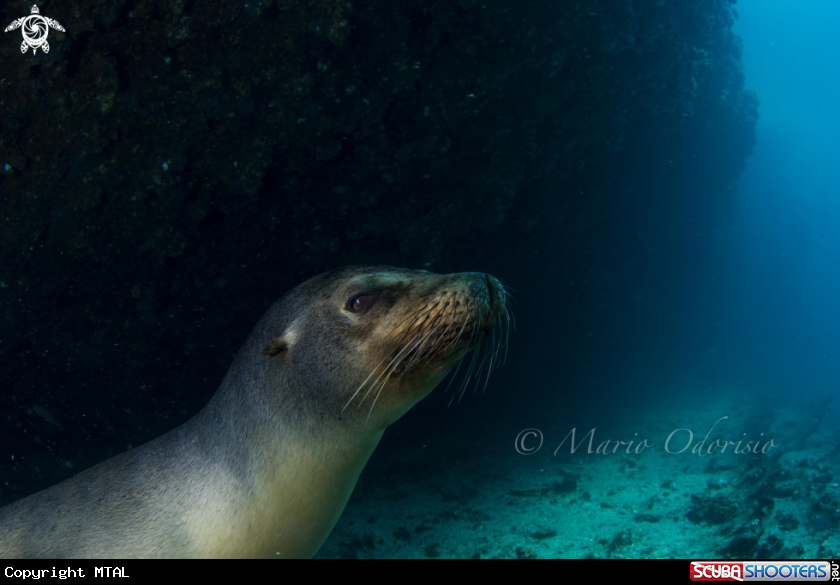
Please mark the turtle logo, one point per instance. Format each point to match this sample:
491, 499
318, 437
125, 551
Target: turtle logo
35, 29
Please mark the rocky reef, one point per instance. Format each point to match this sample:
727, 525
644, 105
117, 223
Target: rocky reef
171, 166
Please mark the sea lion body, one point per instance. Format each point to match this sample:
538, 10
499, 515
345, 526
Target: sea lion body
267, 466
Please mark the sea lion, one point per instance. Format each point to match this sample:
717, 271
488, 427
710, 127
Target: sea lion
267, 466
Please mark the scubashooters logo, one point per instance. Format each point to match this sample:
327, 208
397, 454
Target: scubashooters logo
35, 28
794, 571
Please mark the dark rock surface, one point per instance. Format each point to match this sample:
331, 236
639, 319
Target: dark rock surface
712, 510
171, 167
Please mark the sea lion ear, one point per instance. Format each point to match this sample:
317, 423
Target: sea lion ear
282, 343
275, 346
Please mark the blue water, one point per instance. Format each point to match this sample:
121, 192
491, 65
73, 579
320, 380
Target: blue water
786, 267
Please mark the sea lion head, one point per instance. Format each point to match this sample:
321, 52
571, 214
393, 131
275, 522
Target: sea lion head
362, 345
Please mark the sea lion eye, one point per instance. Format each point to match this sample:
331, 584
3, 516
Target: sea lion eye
359, 303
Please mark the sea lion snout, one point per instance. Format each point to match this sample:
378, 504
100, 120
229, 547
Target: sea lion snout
418, 327
488, 291
497, 296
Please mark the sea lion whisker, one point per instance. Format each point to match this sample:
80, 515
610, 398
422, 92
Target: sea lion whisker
498, 343
469, 374
501, 347
376, 380
443, 345
460, 391
509, 292
415, 315
477, 330
415, 351
395, 361
467, 320
375, 398
406, 333
454, 375
421, 348
454, 316
495, 349
489, 370
484, 355
440, 340
379, 383
394, 365
363, 383
394, 346
442, 337
473, 361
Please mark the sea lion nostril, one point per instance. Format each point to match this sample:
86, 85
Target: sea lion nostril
480, 284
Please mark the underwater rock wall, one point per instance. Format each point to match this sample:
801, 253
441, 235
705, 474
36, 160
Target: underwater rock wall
170, 167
